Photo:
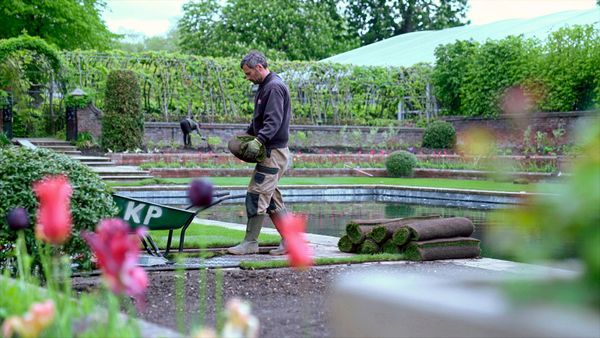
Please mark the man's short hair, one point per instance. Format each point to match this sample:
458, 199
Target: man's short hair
254, 58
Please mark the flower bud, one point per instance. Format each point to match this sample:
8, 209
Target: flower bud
200, 193
17, 219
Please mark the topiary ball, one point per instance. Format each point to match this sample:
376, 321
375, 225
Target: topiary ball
400, 163
439, 134
200, 193
91, 200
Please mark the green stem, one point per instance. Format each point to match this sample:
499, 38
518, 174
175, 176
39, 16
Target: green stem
21, 252
202, 293
219, 299
179, 295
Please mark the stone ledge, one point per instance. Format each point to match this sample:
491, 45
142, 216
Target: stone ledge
319, 172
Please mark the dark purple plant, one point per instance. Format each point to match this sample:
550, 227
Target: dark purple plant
17, 219
200, 193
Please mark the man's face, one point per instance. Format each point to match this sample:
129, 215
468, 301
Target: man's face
254, 75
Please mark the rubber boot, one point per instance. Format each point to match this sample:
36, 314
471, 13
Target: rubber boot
250, 243
276, 217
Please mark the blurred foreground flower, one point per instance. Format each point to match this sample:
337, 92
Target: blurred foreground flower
204, 332
32, 323
200, 193
240, 321
53, 216
117, 252
17, 219
292, 228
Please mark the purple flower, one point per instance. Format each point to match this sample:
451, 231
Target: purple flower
17, 219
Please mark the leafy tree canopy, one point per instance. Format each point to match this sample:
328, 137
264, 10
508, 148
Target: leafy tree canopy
375, 20
291, 29
68, 24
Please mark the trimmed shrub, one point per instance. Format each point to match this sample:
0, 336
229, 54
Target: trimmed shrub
439, 134
123, 121
400, 163
91, 200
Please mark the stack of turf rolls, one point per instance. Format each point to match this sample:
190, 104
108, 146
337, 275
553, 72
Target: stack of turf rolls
417, 238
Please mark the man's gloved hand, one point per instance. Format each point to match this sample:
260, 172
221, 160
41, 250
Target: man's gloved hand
252, 148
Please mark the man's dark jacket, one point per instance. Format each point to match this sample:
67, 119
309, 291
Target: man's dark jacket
272, 113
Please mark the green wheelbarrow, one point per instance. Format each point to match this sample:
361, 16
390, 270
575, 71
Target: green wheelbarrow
155, 216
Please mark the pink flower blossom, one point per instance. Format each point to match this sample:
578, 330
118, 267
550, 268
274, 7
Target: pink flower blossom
117, 253
372, 152
382, 152
32, 323
292, 228
53, 216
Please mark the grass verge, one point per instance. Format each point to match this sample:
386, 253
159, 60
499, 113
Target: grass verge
412, 182
200, 236
382, 257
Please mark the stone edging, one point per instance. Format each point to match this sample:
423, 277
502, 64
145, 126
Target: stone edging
320, 172
475, 199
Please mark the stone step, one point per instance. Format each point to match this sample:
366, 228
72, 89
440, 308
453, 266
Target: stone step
44, 142
125, 178
86, 159
98, 164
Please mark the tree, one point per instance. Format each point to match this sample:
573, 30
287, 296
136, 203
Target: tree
68, 24
292, 29
375, 20
153, 43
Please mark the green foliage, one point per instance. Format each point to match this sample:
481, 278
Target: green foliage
85, 140
4, 140
449, 73
569, 69
439, 134
566, 221
496, 66
77, 101
68, 24
313, 29
400, 163
90, 202
123, 122
32, 44
214, 89
375, 20
472, 79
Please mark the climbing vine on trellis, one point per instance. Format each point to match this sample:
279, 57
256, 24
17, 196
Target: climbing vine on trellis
214, 89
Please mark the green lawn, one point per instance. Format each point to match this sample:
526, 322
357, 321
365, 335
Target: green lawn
209, 236
413, 182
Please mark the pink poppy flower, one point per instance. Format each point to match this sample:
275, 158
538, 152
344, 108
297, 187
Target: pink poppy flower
53, 216
32, 323
372, 152
117, 253
292, 227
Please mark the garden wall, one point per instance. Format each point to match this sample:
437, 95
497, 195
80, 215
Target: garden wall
302, 137
545, 130
556, 128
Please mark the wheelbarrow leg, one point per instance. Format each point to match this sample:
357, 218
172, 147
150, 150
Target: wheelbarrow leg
146, 246
154, 247
169, 242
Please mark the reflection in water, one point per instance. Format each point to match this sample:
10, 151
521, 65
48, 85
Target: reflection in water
331, 218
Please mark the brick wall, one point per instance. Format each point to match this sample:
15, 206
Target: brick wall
510, 129
301, 137
89, 119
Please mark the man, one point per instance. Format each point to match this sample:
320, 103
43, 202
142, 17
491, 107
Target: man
187, 126
270, 129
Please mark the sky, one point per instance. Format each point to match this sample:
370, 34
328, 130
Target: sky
157, 17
